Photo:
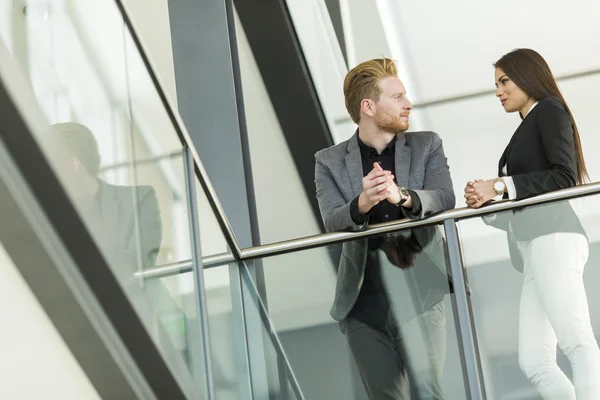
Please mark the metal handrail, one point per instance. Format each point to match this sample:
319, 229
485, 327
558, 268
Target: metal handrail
320, 240
183, 266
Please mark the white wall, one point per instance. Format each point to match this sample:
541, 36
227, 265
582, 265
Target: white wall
151, 20
453, 44
36, 363
284, 210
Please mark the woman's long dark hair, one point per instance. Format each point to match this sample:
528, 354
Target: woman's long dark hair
530, 72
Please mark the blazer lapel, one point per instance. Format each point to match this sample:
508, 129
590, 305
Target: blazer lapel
502, 161
402, 161
509, 147
354, 165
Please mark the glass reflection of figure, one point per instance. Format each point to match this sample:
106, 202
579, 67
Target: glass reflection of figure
393, 322
126, 223
109, 210
547, 243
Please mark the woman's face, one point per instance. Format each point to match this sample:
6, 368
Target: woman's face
511, 96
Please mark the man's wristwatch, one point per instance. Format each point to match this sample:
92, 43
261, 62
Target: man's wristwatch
499, 186
404, 195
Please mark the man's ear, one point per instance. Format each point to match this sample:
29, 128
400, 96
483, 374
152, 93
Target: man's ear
76, 164
367, 106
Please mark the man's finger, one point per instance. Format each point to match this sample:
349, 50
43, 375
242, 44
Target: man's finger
383, 179
382, 187
377, 172
376, 189
370, 183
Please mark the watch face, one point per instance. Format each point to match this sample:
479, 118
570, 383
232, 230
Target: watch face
499, 186
404, 192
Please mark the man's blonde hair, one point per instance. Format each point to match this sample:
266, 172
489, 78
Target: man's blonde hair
362, 82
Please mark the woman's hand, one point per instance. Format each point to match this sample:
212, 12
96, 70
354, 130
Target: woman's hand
479, 192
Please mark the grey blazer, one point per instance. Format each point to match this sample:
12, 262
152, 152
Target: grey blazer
421, 166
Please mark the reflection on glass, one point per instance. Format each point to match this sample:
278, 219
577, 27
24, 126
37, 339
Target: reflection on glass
396, 329
530, 301
115, 214
117, 155
164, 174
404, 345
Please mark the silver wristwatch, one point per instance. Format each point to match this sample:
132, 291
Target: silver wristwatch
404, 195
499, 186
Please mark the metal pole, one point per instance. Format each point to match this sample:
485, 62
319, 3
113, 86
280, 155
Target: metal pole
242, 361
467, 342
190, 186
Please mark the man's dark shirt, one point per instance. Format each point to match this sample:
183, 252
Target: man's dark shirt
372, 305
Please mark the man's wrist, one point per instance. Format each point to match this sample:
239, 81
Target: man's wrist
403, 197
357, 217
408, 203
363, 204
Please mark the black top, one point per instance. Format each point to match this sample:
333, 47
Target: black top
372, 306
541, 158
384, 211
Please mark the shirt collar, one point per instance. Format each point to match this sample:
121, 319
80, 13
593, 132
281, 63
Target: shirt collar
367, 150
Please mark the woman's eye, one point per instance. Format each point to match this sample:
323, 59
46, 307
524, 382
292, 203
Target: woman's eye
504, 81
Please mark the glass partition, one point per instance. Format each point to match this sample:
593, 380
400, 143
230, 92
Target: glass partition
117, 154
402, 325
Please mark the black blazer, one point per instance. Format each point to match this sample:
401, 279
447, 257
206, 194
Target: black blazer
540, 158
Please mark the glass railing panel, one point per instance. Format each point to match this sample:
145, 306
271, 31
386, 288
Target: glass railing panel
503, 298
173, 299
223, 333
161, 206
118, 156
406, 303
271, 373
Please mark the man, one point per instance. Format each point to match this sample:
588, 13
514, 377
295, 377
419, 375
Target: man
390, 290
110, 212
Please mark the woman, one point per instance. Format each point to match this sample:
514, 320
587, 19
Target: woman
543, 155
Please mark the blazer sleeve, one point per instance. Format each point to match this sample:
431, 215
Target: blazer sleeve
335, 210
150, 231
557, 136
438, 193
